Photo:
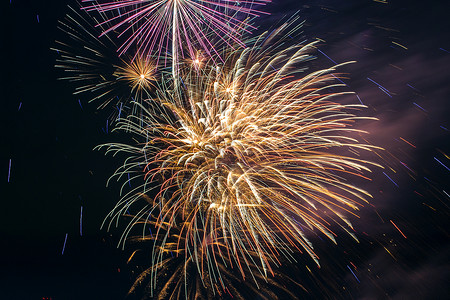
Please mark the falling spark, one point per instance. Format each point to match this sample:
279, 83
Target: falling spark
398, 229
418, 193
434, 209
81, 221
406, 166
327, 57
412, 87
353, 274
407, 142
386, 91
359, 99
419, 106
399, 45
389, 253
390, 179
9, 170
64, 246
441, 163
120, 112
446, 156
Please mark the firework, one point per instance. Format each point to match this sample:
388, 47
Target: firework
178, 277
151, 25
94, 67
248, 158
139, 74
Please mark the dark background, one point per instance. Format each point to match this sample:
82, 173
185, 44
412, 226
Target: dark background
54, 170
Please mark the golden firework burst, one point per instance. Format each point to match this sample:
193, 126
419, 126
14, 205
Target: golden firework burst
246, 159
139, 74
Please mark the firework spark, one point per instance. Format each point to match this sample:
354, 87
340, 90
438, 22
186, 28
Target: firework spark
185, 280
248, 158
149, 22
139, 74
153, 25
92, 64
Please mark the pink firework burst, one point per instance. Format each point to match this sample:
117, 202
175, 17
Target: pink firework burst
185, 25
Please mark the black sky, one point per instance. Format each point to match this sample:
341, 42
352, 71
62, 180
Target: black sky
54, 171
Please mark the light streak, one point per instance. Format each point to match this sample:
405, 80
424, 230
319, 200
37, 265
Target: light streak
446, 193
386, 91
9, 170
446, 156
398, 229
81, 221
434, 209
418, 193
64, 246
406, 166
412, 87
441, 163
357, 96
389, 253
353, 274
390, 179
327, 56
419, 106
120, 112
399, 45
407, 142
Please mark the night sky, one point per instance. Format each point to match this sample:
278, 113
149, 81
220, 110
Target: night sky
48, 170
